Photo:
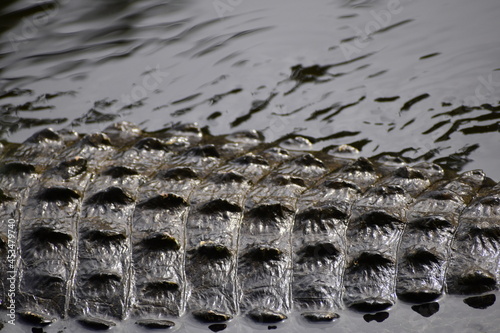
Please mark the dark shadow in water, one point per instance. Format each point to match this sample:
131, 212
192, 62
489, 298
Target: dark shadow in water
427, 309
392, 26
318, 113
218, 45
361, 3
11, 125
187, 99
11, 19
10, 119
257, 106
413, 101
344, 107
376, 74
338, 135
454, 162
482, 129
318, 73
211, 101
16, 93
93, 116
492, 114
386, 99
378, 317
336, 108
429, 55
436, 126
360, 143
217, 327
462, 109
458, 160
481, 302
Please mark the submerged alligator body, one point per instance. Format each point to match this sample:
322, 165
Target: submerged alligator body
152, 225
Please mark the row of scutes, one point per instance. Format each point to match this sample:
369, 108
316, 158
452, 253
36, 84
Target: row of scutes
162, 225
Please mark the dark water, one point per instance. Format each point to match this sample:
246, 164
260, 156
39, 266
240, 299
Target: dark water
420, 79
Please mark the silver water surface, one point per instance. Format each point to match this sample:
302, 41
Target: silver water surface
337, 71
418, 78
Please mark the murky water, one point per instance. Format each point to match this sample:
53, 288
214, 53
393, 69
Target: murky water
420, 79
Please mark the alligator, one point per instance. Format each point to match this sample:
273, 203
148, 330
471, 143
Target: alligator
152, 225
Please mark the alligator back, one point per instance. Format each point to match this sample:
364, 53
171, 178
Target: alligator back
126, 223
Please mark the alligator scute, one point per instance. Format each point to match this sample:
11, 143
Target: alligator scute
150, 226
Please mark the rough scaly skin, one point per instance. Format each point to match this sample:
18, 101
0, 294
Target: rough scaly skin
151, 225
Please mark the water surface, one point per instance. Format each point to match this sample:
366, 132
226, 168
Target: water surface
416, 79
420, 78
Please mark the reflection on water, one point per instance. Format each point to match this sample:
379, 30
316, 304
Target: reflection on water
415, 79
412, 77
